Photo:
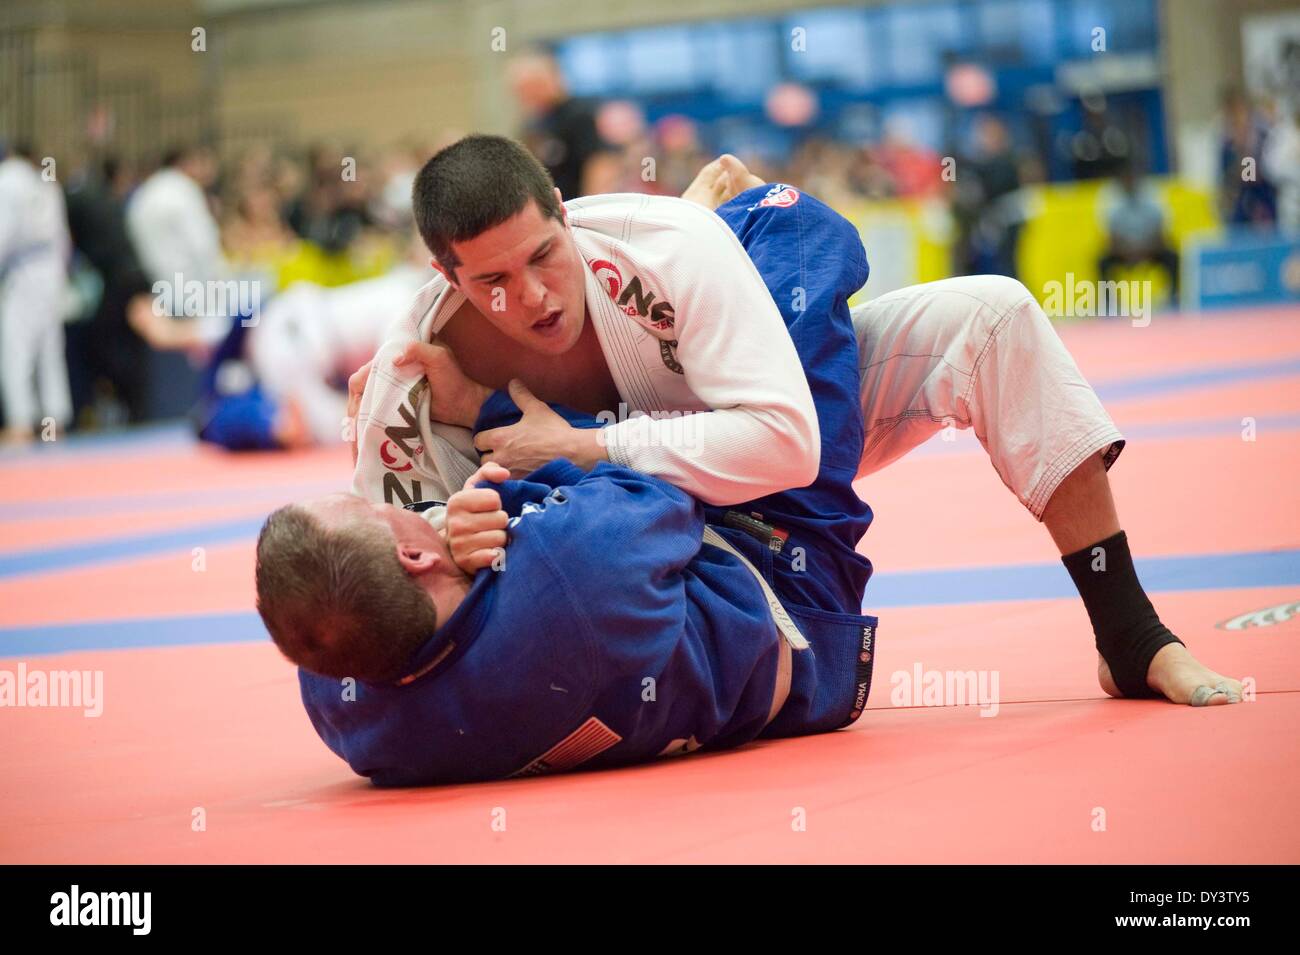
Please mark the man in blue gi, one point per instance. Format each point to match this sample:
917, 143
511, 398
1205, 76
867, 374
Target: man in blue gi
624, 619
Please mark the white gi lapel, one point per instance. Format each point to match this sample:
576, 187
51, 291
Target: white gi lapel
402, 456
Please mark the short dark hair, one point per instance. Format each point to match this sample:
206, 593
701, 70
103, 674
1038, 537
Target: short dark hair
177, 153
474, 184
337, 601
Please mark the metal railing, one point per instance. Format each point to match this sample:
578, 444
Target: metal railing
50, 99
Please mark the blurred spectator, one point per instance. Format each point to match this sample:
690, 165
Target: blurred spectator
331, 211
173, 229
34, 250
1101, 148
255, 237
254, 169
559, 129
914, 170
108, 350
121, 178
390, 206
287, 176
1135, 225
631, 174
868, 177
1246, 194
1281, 163
823, 168
986, 202
679, 151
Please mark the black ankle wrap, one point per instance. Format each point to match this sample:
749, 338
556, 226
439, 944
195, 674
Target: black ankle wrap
1128, 630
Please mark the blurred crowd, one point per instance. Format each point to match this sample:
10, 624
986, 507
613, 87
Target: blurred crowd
594, 147
1259, 162
78, 337
332, 215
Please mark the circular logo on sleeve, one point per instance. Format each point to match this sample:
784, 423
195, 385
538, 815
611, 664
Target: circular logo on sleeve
781, 196
608, 273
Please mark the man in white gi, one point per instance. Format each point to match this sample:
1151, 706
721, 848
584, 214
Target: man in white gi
34, 250
651, 303
177, 238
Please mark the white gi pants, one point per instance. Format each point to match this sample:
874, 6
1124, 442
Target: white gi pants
33, 368
977, 352
292, 355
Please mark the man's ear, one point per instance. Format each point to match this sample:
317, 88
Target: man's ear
417, 560
448, 274
564, 213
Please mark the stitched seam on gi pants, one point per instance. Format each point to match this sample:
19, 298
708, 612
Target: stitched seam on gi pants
998, 325
1065, 463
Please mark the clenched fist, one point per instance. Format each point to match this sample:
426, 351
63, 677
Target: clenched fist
454, 397
476, 524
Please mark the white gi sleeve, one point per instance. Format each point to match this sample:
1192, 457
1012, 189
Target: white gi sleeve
736, 354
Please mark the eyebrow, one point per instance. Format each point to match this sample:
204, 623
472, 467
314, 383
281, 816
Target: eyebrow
540, 251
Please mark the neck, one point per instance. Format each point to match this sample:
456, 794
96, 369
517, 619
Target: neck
448, 594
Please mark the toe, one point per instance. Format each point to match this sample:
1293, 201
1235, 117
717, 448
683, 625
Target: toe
1209, 696
1231, 689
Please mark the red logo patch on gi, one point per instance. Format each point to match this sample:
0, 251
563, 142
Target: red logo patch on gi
608, 273
781, 197
390, 459
589, 740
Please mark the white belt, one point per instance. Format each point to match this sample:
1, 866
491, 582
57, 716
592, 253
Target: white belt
791, 638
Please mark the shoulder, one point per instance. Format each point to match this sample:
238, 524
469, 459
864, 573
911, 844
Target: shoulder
161, 190
11, 172
673, 239
641, 211
425, 301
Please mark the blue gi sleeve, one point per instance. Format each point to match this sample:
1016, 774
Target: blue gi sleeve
653, 527
500, 411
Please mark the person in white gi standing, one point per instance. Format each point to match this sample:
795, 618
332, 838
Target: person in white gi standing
175, 233
34, 249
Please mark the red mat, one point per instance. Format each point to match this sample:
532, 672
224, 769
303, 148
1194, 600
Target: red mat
97, 552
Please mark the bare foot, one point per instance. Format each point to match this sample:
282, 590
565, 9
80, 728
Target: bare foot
1181, 678
723, 179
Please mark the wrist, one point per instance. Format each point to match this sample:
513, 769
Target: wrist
478, 396
585, 449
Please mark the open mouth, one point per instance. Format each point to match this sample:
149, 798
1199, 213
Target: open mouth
550, 321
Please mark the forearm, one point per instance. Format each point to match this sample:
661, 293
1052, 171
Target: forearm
161, 332
580, 443
721, 457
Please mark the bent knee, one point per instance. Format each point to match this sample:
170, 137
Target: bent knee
1000, 293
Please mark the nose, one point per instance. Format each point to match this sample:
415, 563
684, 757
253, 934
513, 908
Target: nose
532, 292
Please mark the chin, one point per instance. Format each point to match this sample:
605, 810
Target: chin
556, 344
548, 346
